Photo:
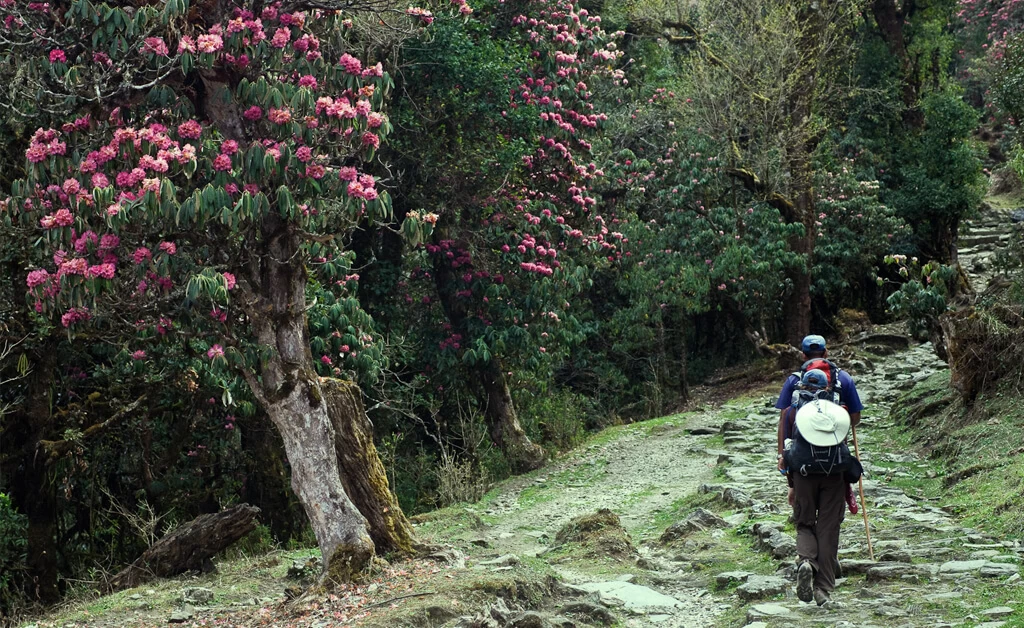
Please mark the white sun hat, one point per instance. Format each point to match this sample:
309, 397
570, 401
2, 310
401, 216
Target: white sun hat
823, 423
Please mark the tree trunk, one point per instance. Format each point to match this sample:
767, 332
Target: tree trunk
797, 306
302, 418
891, 22
506, 432
362, 471
684, 384
31, 488
289, 390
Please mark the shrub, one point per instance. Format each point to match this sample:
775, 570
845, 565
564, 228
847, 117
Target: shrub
13, 527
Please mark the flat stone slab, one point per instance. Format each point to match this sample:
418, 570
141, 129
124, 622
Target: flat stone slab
895, 571
766, 611
760, 587
998, 570
961, 566
634, 597
852, 565
998, 612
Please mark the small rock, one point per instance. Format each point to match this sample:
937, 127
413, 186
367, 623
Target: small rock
500, 611
197, 595
737, 498
726, 578
699, 520
591, 610
182, 615
702, 431
760, 587
509, 560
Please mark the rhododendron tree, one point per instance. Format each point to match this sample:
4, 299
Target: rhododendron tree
510, 183
214, 154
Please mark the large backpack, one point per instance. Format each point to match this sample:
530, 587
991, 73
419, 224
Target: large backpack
806, 459
833, 392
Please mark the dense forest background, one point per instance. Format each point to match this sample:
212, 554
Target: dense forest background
487, 227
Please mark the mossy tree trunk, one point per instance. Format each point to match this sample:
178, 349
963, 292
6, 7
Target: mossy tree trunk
506, 431
362, 472
288, 388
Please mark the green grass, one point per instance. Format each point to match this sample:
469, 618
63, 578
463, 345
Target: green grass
1007, 201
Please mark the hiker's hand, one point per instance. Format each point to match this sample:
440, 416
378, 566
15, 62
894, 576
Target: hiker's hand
782, 465
791, 496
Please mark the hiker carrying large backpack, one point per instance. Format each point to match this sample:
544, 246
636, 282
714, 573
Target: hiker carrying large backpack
818, 499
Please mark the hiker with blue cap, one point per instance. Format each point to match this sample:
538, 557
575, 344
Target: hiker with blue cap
818, 405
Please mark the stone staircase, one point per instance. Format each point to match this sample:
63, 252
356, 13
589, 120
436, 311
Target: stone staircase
986, 236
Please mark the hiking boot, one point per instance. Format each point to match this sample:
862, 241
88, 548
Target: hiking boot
821, 597
851, 501
805, 582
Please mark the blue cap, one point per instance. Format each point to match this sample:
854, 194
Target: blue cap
815, 379
812, 343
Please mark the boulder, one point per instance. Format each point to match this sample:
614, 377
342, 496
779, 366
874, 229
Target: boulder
699, 520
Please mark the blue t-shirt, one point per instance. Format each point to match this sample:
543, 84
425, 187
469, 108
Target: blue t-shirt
847, 395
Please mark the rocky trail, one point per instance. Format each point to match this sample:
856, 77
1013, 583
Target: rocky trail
676, 522
927, 566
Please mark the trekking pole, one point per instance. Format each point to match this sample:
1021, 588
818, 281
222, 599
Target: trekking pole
863, 506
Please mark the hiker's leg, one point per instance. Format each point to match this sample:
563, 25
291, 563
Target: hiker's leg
831, 509
805, 509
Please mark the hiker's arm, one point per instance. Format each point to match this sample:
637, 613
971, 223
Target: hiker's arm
854, 419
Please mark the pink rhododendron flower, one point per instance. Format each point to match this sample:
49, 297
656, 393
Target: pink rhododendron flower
216, 351
371, 139
279, 116
63, 218
222, 163
229, 147
190, 129
37, 278
139, 355
253, 113
105, 271
155, 45
75, 315
308, 81
209, 43
281, 37
168, 247
100, 180
141, 254
58, 56
229, 279
350, 64
304, 154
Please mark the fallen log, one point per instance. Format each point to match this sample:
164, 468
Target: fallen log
188, 547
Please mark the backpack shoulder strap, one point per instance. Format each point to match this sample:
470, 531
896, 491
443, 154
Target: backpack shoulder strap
789, 427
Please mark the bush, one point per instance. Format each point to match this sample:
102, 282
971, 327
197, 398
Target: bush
13, 526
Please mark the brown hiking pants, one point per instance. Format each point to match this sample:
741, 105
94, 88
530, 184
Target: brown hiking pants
819, 504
